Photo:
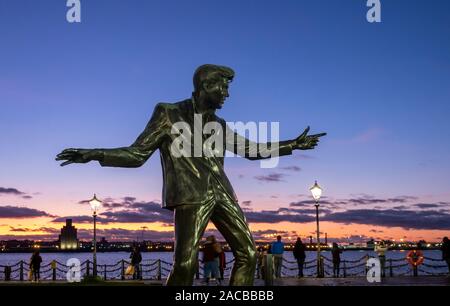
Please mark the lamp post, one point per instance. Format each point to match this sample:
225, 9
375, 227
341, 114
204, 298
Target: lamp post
95, 205
317, 193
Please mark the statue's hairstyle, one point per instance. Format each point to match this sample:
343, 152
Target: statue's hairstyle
209, 73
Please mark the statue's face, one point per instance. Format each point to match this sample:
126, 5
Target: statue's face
216, 93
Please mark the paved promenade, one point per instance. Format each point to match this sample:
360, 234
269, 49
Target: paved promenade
357, 281
309, 281
362, 281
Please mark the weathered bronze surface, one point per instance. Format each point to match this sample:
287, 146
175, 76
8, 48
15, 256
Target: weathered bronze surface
197, 188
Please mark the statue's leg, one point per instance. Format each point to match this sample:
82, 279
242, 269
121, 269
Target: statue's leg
230, 221
190, 223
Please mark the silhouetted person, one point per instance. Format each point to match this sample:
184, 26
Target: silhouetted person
211, 253
136, 259
35, 266
300, 255
336, 253
277, 249
446, 252
260, 262
381, 249
222, 264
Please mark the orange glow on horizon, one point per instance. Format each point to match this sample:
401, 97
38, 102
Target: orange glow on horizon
27, 227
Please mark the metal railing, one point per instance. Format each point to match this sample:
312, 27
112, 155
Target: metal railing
158, 269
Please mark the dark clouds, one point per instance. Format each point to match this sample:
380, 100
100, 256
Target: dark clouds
126, 210
388, 213
361, 209
427, 205
48, 230
14, 192
271, 178
410, 215
276, 216
79, 219
407, 219
11, 191
16, 212
323, 203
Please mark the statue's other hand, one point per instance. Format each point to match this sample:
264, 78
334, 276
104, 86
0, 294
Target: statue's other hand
307, 142
80, 156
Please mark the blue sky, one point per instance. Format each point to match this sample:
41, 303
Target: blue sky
381, 92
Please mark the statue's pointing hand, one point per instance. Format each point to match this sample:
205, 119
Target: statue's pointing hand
79, 156
307, 142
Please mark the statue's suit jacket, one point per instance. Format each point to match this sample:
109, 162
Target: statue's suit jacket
186, 179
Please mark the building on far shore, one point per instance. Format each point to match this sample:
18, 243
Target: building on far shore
68, 239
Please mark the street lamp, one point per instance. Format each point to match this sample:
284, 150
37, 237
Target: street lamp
317, 193
95, 205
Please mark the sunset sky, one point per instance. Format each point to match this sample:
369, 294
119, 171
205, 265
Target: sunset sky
381, 91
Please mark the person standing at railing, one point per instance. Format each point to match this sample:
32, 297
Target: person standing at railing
277, 250
300, 255
211, 252
381, 249
222, 263
136, 259
336, 253
260, 252
445, 248
35, 266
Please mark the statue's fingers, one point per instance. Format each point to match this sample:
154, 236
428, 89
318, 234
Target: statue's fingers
318, 135
70, 150
305, 132
65, 156
67, 163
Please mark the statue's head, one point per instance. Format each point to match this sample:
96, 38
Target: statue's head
211, 84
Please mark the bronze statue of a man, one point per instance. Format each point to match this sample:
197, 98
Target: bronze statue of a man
196, 187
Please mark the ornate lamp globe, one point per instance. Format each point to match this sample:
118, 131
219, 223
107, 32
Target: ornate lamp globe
316, 191
95, 204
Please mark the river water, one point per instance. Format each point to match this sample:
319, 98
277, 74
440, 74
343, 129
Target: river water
355, 262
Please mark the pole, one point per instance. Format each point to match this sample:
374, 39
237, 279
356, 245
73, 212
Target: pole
158, 275
122, 273
21, 270
319, 273
94, 270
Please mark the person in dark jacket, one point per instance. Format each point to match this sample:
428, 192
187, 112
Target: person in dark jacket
260, 262
445, 248
211, 252
300, 255
136, 259
336, 253
35, 266
222, 264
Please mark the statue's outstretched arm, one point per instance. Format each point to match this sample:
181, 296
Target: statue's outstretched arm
129, 157
255, 151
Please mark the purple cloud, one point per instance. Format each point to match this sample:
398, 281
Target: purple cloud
21, 212
11, 191
271, 178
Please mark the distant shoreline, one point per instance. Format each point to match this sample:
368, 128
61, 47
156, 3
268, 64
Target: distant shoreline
171, 251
